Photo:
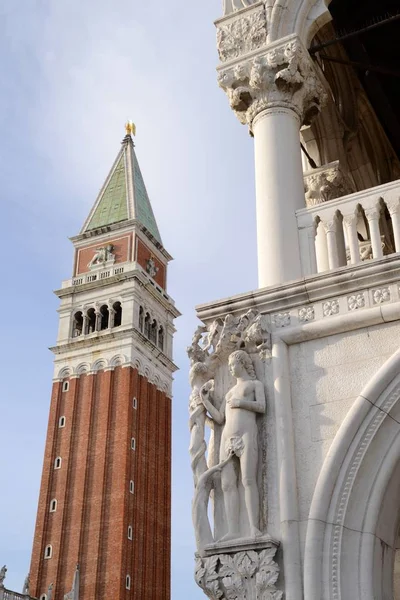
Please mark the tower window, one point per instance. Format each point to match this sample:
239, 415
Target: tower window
57, 463
43, 597
77, 326
91, 321
153, 332
134, 403
48, 553
131, 486
53, 505
118, 314
61, 422
161, 338
65, 386
133, 444
141, 318
105, 317
130, 532
128, 582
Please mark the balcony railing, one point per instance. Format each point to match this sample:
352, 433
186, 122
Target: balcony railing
351, 229
9, 595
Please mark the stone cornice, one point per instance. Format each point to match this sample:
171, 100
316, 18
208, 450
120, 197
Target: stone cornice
281, 299
102, 338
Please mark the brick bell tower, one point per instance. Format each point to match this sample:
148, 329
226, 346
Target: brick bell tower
103, 522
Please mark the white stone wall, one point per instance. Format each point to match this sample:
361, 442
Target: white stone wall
327, 375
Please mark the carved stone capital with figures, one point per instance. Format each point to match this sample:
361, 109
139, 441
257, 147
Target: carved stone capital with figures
278, 75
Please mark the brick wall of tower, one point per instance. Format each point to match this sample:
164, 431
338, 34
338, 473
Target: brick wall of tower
94, 503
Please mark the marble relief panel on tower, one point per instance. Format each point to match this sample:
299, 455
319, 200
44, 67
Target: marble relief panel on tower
114, 250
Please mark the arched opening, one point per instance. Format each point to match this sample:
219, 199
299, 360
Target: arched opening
161, 338
153, 332
358, 490
360, 127
77, 326
104, 317
53, 505
147, 325
117, 314
91, 321
141, 319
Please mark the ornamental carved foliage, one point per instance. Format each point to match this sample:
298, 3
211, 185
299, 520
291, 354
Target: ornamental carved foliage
326, 184
282, 76
246, 575
241, 35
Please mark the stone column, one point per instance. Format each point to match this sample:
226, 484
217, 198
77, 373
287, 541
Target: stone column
331, 240
274, 91
352, 238
394, 210
376, 242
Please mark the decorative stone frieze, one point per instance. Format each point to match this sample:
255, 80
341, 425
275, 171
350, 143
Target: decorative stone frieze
327, 183
249, 575
330, 307
242, 33
381, 295
306, 314
356, 301
281, 320
281, 75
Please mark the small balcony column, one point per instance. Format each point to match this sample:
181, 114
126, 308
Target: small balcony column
376, 242
352, 238
394, 210
111, 317
331, 240
85, 327
97, 326
312, 239
321, 249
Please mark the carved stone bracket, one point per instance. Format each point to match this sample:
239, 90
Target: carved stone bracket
248, 575
327, 183
280, 75
242, 32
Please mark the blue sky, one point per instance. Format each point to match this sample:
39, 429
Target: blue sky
71, 73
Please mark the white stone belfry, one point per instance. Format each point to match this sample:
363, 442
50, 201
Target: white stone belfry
295, 401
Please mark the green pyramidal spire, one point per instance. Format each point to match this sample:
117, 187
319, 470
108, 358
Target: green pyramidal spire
123, 195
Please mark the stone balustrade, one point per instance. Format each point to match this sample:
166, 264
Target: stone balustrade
354, 228
9, 595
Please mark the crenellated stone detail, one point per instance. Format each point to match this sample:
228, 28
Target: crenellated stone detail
327, 183
248, 575
242, 33
281, 75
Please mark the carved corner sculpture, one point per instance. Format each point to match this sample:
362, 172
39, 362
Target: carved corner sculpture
235, 557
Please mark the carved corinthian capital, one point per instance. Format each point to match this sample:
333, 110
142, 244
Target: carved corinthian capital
248, 575
280, 75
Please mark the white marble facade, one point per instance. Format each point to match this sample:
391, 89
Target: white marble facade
295, 404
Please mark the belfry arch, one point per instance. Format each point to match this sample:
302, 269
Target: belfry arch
352, 534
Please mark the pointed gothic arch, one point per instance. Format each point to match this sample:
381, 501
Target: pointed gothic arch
355, 512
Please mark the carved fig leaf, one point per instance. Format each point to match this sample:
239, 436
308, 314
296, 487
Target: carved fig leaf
228, 566
267, 556
234, 588
246, 563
